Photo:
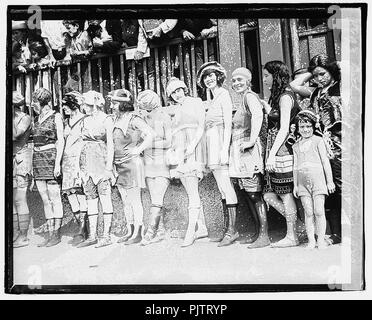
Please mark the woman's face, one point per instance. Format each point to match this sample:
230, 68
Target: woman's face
35, 104
88, 109
322, 77
114, 106
267, 79
210, 80
305, 128
178, 95
66, 110
17, 35
239, 84
72, 29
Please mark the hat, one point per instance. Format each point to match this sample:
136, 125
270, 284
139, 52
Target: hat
19, 25
148, 100
309, 114
93, 98
73, 99
18, 99
212, 65
121, 95
174, 84
244, 72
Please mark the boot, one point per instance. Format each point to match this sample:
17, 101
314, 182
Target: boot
190, 233
24, 222
263, 239
152, 229
231, 234
201, 231
130, 231
137, 238
76, 237
106, 239
225, 218
55, 239
50, 226
22, 240
16, 230
251, 205
92, 238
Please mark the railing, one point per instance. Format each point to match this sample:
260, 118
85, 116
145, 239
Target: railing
105, 72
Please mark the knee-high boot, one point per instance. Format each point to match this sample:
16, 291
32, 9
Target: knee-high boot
190, 233
50, 225
263, 236
225, 219
92, 237
231, 234
153, 226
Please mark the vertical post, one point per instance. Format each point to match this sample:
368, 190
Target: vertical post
230, 55
270, 33
295, 44
122, 73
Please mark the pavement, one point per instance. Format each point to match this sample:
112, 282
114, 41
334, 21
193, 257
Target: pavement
166, 262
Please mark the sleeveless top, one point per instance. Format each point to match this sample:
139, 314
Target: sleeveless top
46, 132
274, 115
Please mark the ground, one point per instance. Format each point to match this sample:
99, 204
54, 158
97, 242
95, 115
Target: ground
166, 262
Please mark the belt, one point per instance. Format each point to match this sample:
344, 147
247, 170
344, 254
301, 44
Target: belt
46, 147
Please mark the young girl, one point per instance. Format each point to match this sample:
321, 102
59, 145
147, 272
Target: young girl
312, 176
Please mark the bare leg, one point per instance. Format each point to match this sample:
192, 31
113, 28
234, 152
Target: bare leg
48, 210
128, 212
191, 186
22, 211
134, 197
320, 219
307, 203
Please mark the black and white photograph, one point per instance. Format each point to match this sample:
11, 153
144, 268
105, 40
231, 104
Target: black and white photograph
180, 148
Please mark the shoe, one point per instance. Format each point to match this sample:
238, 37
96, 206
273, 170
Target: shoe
104, 242
46, 240
285, 243
56, 238
248, 239
127, 235
261, 242
78, 238
21, 242
333, 239
137, 238
228, 239
88, 242
188, 241
148, 237
201, 233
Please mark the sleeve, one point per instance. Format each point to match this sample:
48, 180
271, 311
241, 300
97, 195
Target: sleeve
168, 25
142, 41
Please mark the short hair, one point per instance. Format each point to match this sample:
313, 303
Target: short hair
219, 75
324, 61
124, 106
43, 96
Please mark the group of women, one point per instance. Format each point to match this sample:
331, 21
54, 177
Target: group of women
142, 144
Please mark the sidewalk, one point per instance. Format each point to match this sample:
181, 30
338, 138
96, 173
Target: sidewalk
167, 263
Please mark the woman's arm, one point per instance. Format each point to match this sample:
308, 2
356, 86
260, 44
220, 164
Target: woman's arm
60, 143
167, 141
109, 143
22, 126
326, 166
227, 108
148, 134
298, 86
285, 104
255, 107
295, 172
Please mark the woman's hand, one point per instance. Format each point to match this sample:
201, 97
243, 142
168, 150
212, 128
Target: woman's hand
246, 145
57, 170
295, 192
22, 69
331, 187
270, 163
224, 156
188, 35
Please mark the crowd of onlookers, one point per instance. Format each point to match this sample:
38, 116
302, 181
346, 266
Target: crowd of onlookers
64, 40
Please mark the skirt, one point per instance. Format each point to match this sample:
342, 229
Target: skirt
22, 167
214, 143
155, 163
280, 181
130, 173
43, 164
